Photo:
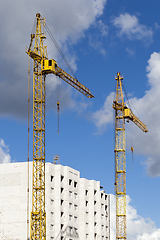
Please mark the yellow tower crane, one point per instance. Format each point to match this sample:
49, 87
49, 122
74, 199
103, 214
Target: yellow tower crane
122, 112
41, 67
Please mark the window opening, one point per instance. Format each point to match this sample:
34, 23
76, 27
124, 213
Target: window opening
62, 202
62, 226
50, 62
70, 181
52, 178
75, 207
75, 219
75, 184
62, 214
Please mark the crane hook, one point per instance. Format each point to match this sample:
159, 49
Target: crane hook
132, 149
58, 108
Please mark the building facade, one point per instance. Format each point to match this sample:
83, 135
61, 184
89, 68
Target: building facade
76, 208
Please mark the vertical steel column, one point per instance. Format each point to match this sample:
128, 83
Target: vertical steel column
120, 163
38, 215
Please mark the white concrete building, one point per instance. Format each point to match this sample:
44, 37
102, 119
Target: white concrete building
76, 208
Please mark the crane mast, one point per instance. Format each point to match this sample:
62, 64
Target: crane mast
38, 214
41, 67
122, 112
120, 162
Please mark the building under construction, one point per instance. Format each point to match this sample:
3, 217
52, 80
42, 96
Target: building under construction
76, 208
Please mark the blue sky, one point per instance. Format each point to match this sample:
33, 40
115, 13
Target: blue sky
99, 38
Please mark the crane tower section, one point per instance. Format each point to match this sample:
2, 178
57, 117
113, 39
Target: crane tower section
41, 67
37, 53
120, 162
122, 112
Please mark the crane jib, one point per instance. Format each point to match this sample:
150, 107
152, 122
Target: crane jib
50, 66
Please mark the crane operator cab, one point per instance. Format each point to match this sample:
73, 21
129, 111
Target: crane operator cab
127, 112
48, 66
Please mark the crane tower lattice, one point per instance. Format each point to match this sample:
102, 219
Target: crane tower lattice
41, 67
122, 112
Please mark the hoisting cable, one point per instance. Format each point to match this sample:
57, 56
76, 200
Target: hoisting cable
67, 64
132, 143
58, 101
132, 148
34, 26
126, 97
28, 228
59, 50
58, 108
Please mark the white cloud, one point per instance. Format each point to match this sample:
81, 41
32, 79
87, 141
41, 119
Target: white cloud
157, 26
67, 24
146, 144
4, 153
130, 51
97, 44
103, 28
104, 116
56, 91
148, 107
129, 25
138, 228
100, 34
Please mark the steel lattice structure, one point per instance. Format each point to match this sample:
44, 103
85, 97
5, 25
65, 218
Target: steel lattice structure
120, 162
122, 112
41, 67
38, 215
